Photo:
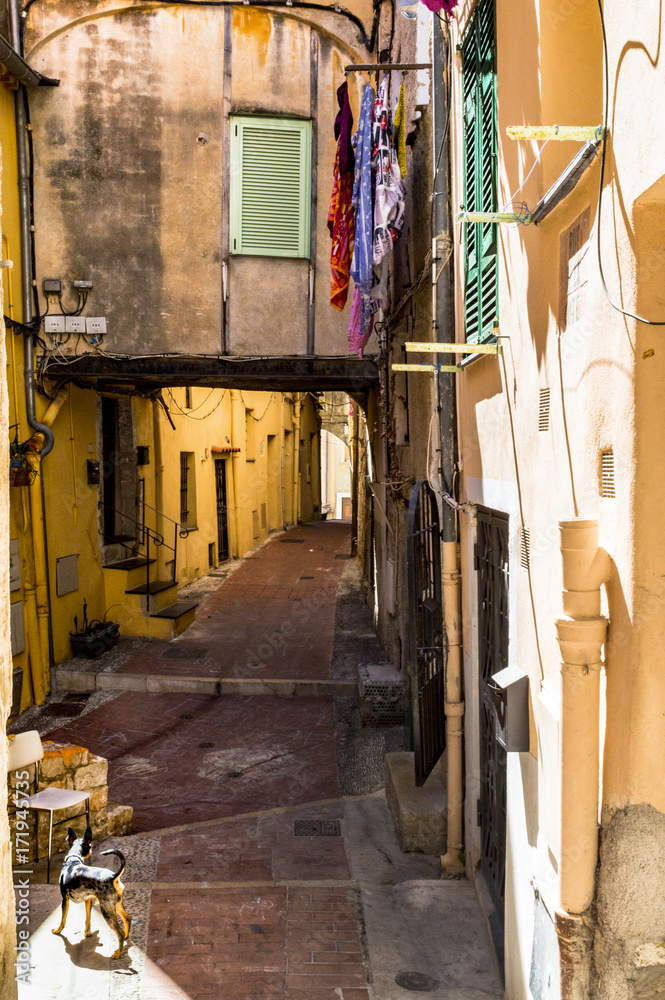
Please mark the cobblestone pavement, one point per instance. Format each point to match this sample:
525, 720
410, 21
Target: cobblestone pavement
251, 869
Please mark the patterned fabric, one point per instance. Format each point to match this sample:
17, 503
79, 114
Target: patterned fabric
341, 221
358, 340
389, 191
437, 5
399, 131
361, 264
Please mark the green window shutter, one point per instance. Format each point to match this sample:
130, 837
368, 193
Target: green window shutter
480, 181
270, 186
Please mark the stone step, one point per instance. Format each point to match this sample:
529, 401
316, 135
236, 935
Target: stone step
135, 562
87, 680
175, 610
154, 587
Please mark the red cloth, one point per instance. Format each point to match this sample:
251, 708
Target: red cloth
341, 223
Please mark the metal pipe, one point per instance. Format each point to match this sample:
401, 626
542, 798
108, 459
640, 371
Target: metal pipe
444, 330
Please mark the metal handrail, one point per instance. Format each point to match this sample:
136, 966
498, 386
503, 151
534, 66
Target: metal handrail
183, 532
157, 538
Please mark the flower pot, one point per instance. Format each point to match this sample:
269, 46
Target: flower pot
87, 645
19, 475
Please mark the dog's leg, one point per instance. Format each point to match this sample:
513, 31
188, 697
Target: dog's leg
124, 917
88, 911
65, 907
109, 914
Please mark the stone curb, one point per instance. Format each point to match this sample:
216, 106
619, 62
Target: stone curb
82, 681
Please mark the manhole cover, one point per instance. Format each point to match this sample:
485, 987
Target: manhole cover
204, 746
294, 541
316, 828
417, 982
185, 716
183, 653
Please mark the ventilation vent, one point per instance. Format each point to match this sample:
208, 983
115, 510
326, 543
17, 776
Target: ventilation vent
525, 547
607, 475
544, 410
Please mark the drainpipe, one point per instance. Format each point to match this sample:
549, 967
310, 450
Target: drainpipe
444, 331
581, 636
41, 641
159, 486
42, 583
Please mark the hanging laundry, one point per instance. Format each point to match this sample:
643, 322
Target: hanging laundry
357, 338
341, 221
361, 264
399, 131
389, 191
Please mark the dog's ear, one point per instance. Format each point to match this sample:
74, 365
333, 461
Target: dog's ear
71, 836
87, 839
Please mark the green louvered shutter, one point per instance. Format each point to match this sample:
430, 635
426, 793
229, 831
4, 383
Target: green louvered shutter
480, 183
270, 186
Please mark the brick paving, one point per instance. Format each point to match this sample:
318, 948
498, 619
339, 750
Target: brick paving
238, 906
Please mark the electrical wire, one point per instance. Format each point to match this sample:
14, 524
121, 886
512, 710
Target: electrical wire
606, 108
249, 411
205, 415
188, 413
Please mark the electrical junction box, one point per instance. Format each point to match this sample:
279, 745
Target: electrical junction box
52, 286
74, 324
93, 473
95, 325
54, 324
142, 454
509, 690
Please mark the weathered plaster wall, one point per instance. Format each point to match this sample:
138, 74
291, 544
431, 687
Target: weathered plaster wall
7, 920
132, 170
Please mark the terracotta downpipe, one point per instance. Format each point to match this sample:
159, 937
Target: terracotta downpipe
37, 604
581, 636
296, 458
451, 862
235, 460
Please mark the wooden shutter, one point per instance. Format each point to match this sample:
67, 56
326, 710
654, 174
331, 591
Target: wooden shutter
270, 186
480, 184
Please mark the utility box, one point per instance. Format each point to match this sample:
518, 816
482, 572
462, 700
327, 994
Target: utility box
510, 694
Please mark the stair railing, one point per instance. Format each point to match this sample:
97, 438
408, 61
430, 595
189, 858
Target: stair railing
148, 534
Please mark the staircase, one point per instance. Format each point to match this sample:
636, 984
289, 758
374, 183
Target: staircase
142, 603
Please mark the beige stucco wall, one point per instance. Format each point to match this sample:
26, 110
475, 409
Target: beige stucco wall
132, 169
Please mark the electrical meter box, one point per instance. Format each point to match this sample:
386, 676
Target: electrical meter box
510, 694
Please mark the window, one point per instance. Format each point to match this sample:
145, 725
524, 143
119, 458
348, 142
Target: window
187, 490
270, 186
188, 399
480, 185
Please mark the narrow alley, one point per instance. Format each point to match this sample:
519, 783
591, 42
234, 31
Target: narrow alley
263, 861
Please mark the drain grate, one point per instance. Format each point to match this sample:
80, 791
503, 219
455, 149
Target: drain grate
185, 716
317, 828
306, 577
294, 541
63, 710
338, 556
206, 746
183, 653
417, 982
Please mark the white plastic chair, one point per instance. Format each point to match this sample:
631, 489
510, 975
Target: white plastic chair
25, 749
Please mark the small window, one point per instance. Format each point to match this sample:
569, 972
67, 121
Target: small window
607, 487
270, 186
188, 399
212, 554
187, 490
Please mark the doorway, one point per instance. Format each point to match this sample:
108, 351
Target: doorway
222, 510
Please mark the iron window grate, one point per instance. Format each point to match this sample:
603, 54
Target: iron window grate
184, 473
525, 548
607, 488
317, 828
544, 410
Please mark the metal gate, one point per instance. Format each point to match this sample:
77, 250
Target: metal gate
427, 654
491, 560
222, 510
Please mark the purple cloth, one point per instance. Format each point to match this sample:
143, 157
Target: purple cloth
358, 340
343, 127
436, 5
362, 201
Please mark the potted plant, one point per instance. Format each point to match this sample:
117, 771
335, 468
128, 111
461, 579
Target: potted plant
94, 638
20, 470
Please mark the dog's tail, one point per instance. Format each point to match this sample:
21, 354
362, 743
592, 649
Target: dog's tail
122, 860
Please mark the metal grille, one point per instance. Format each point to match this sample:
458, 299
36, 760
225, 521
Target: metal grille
427, 650
182, 652
607, 475
317, 828
380, 694
184, 474
492, 567
525, 548
544, 410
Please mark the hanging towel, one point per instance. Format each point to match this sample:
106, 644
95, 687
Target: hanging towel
389, 191
357, 339
341, 222
361, 264
399, 131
